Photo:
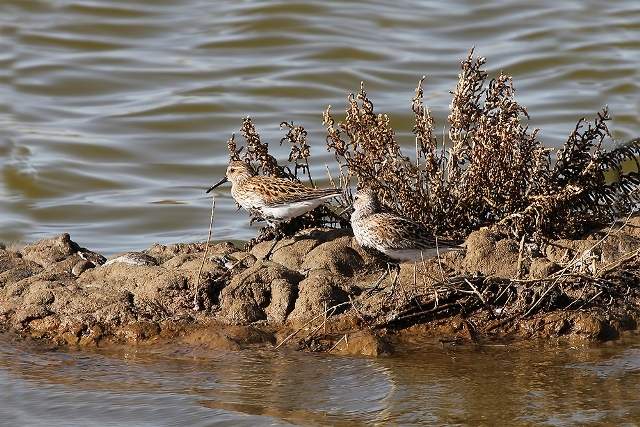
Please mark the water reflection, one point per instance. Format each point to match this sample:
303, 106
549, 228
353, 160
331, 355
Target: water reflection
460, 385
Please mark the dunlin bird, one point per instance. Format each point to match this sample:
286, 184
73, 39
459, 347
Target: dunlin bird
396, 237
275, 199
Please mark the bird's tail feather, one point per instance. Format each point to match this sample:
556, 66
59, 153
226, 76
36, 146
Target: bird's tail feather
327, 193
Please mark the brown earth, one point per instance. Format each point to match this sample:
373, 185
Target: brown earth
318, 293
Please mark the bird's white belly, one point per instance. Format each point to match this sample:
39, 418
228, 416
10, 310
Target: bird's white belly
290, 210
411, 254
368, 238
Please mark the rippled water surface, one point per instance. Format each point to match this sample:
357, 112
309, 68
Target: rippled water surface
114, 114
113, 120
432, 386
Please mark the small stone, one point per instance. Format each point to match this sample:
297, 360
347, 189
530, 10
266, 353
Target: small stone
94, 258
133, 258
81, 267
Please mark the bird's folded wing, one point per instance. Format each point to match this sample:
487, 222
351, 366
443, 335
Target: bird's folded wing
400, 233
280, 191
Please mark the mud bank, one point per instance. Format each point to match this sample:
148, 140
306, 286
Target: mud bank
321, 292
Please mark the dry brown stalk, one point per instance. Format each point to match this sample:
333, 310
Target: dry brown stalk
196, 301
494, 170
344, 337
313, 319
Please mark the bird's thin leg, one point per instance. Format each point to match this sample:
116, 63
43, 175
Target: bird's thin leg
376, 285
277, 234
268, 255
396, 267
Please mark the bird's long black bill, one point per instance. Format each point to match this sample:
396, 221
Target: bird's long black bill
222, 181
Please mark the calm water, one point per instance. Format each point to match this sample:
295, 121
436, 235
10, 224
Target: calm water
114, 113
113, 119
460, 386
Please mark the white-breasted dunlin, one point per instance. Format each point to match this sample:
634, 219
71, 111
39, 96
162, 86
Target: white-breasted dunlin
274, 199
398, 238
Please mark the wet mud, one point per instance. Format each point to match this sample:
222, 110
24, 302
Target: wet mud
320, 291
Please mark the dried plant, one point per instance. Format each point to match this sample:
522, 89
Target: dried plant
365, 147
494, 170
257, 153
234, 152
300, 149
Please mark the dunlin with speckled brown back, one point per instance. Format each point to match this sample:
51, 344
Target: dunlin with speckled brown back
274, 199
396, 237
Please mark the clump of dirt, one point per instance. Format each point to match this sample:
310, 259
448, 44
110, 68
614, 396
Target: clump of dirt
321, 292
265, 291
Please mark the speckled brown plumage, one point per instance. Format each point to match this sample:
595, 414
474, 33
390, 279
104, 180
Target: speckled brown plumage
279, 191
398, 238
274, 199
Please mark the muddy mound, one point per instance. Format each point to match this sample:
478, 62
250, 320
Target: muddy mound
320, 291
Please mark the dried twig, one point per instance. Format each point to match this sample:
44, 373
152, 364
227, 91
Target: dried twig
297, 331
196, 301
333, 347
